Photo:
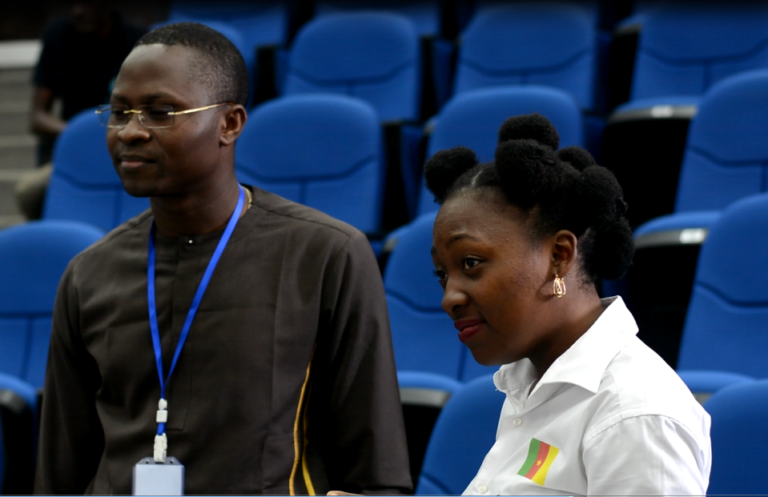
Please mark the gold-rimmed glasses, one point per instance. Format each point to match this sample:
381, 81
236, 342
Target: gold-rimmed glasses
150, 116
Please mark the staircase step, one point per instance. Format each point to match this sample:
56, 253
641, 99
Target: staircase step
14, 123
18, 152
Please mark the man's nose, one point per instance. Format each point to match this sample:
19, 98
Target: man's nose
133, 130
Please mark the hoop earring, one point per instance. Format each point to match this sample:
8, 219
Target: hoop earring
558, 286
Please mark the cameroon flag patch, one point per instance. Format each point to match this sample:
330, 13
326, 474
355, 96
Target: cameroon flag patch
540, 457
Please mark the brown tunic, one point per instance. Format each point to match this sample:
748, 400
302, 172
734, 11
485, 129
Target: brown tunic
286, 383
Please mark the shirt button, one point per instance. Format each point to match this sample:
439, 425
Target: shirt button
483, 489
517, 421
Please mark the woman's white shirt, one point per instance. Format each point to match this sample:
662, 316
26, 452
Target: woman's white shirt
618, 419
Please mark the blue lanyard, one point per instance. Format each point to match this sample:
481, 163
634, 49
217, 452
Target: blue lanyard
195, 302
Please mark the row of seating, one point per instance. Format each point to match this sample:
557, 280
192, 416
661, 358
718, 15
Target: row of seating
724, 161
466, 430
683, 50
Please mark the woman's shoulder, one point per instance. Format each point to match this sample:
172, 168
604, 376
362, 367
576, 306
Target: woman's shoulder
638, 382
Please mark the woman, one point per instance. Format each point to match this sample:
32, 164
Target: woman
589, 408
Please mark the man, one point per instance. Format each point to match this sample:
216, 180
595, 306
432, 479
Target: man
286, 382
80, 58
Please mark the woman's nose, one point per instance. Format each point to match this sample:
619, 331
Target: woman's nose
453, 298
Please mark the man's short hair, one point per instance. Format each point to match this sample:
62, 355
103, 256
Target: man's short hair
219, 64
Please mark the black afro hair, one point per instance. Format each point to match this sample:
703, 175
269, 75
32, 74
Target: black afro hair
219, 64
566, 187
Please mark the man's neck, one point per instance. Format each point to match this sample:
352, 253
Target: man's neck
196, 214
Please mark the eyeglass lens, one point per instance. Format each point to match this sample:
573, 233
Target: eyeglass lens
150, 116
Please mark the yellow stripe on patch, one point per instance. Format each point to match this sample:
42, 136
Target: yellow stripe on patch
541, 474
304, 468
291, 486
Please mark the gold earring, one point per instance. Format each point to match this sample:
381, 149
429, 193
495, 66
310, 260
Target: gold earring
558, 286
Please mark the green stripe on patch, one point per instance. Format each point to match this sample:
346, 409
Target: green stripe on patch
533, 451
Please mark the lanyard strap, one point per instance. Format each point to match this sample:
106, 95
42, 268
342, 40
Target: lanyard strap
195, 302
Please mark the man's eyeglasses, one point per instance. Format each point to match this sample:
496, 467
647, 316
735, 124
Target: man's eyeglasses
150, 116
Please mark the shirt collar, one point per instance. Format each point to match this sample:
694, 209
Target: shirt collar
584, 363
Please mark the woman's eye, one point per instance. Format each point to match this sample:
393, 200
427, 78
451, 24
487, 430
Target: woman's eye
470, 262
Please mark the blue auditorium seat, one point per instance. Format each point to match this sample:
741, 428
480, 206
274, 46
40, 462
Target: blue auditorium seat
425, 14
739, 437
33, 257
423, 335
726, 328
261, 22
684, 49
703, 384
84, 185
323, 151
726, 156
18, 435
472, 119
372, 56
464, 433
725, 159
530, 43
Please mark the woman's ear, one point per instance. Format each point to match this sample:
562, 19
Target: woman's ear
564, 252
234, 122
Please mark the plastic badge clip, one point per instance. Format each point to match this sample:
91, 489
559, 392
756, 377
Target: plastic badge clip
161, 448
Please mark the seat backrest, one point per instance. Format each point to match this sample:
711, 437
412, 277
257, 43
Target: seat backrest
592, 7
423, 335
323, 151
739, 434
463, 434
261, 22
530, 43
726, 327
684, 47
726, 155
371, 55
472, 119
84, 185
425, 14
33, 257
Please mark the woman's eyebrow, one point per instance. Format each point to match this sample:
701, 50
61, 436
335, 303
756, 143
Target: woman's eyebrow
460, 236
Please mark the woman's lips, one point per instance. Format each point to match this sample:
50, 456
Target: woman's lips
468, 328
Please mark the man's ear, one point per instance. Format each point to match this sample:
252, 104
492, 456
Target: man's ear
233, 124
564, 252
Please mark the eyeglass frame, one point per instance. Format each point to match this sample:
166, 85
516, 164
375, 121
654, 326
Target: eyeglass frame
104, 108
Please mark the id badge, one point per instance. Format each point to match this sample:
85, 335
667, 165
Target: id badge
158, 478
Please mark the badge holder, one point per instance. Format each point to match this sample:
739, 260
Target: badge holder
158, 478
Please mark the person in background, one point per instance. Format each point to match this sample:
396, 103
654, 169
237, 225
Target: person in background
80, 58
243, 334
589, 409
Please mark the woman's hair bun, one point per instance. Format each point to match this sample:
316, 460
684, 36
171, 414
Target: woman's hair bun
576, 157
443, 169
527, 171
530, 127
